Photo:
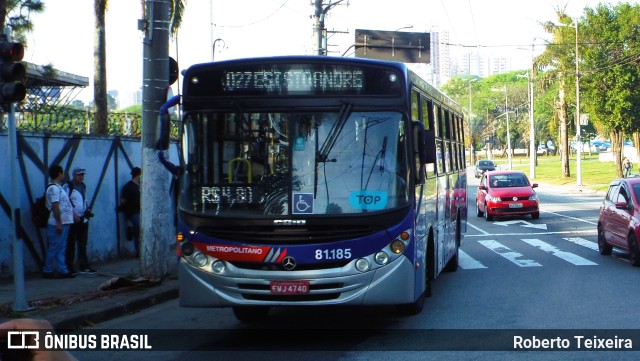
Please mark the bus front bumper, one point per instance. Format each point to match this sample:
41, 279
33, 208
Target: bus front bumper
390, 284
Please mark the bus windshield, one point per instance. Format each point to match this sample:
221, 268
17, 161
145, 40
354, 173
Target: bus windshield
256, 164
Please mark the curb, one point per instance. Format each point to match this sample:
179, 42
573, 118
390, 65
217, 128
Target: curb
86, 314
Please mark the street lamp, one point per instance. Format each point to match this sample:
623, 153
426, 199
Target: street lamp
532, 137
213, 53
506, 111
472, 150
578, 137
410, 26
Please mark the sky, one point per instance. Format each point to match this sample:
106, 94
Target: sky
64, 38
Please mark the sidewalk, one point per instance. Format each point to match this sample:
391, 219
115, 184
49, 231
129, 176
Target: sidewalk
81, 301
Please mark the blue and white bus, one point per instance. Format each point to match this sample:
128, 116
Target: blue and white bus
308, 180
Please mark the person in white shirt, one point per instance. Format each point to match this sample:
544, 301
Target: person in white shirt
78, 231
60, 218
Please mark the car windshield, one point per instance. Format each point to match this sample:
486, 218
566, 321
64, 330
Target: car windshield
508, 180
486, 163
636, 190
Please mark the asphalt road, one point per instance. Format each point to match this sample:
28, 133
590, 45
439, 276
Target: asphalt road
536, 277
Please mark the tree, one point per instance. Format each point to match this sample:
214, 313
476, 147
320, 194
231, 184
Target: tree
17, 15
100, 99
611, 78
558, 63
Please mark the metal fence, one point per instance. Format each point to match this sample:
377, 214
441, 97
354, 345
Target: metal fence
79, 122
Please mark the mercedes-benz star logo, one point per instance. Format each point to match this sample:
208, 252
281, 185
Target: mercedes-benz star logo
289, 263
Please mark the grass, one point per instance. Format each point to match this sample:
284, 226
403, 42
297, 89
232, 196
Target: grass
596, 175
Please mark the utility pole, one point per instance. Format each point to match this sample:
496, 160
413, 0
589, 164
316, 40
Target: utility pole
319, 32
156, 220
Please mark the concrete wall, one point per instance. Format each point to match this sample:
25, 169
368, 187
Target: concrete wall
108, 161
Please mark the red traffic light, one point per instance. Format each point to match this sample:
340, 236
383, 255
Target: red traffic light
12, 92
10, 51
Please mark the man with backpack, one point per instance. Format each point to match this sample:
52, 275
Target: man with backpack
78, 231
60, 218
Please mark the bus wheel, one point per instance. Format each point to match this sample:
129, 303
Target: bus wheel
452, 265
251, 314
412, 309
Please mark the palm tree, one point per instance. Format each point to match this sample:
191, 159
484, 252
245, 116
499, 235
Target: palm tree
100, 69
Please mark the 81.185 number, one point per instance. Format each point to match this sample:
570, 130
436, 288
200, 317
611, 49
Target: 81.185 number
339, 253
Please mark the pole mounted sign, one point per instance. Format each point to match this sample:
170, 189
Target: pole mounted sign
393, 45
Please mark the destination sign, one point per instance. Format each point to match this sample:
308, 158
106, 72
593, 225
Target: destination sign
294, 80
235, 78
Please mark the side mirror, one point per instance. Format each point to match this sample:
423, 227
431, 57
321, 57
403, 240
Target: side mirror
622, 205
164, 124
482, 187
534, 185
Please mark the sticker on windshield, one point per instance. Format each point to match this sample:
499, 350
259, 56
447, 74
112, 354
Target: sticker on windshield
303, 203
369, 200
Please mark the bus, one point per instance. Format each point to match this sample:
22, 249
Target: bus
314, 180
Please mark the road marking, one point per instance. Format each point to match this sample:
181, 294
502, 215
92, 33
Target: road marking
484, 233
509, 254
567, 256
574, 218
466, 262
583, 242
583, 231
524, 224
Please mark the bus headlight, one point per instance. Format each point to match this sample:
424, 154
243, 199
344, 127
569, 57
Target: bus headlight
200, 259
187, 248
218, 267
397, 246
362, 265
381, 258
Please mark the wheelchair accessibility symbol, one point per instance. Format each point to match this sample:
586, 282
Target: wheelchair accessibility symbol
303, 203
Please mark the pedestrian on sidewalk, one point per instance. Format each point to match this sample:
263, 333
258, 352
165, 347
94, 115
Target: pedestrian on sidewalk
130, 205
78, 231
57, 227
626, 167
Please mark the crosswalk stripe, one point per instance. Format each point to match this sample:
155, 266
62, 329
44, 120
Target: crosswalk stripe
583, 242
509, 254
466, 262
567, 256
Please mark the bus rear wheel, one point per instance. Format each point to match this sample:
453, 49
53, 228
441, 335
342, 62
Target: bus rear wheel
412, 309
251, 314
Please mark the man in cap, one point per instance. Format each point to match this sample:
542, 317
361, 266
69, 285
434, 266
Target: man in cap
78, 232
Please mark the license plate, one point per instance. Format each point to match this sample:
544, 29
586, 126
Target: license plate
289, 287
515, 205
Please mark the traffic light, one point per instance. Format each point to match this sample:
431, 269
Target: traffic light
12, 72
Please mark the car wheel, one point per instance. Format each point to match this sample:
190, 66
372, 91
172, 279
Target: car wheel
535, 215
634, 253
603, 247
487, 216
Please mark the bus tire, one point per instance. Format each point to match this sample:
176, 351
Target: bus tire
251, 314
452, 265
412, 309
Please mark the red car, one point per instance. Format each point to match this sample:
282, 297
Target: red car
506, 193
619, 221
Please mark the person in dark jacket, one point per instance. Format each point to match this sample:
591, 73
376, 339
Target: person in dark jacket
130, 205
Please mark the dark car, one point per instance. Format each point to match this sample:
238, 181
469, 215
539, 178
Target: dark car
619, 221
506, 193
483, 166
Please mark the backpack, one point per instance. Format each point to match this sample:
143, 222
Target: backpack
39, 211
